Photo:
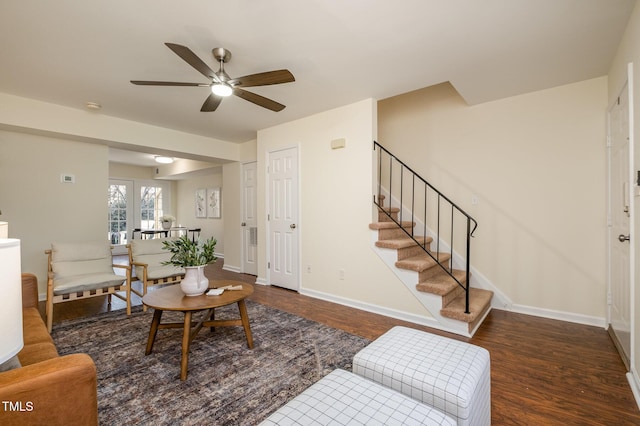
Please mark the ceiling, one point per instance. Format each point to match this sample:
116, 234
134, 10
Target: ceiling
69, 52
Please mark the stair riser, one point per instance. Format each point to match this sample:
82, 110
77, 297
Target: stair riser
427, 274
411, 251
382, 216
473, 324
391, 234
451, 296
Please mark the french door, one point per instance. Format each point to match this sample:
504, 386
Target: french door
120, 216
134, 204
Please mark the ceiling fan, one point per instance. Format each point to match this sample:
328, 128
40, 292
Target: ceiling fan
221, 84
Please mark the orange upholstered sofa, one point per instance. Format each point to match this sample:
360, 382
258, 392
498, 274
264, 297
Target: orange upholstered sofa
48, 388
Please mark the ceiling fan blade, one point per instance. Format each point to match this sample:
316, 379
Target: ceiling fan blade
264, 79
258, 100
192, 59
167, 83
211, 103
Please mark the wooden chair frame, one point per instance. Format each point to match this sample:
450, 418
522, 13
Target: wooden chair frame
67, 297
146, 282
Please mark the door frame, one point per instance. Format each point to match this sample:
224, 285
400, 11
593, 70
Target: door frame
298, 207
628, 86
243, 248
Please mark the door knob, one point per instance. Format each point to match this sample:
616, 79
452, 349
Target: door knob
292, 226
622, 238
243, 224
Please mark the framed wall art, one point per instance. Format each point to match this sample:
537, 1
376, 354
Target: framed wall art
201, 202
213, 203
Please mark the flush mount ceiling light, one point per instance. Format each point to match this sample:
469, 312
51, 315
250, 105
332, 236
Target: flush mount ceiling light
163, 160
221, 89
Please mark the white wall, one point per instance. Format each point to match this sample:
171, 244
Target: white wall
335, 209
39, 208
629, 51
537, 164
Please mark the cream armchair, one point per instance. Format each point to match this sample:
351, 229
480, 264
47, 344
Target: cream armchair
146, 258
82, 270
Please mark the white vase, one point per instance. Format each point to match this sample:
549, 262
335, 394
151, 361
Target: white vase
194, 282
166, 224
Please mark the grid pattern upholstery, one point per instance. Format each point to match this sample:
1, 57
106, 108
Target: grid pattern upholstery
343, 398
449, 375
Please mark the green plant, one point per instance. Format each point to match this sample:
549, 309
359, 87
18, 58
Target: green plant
185, 252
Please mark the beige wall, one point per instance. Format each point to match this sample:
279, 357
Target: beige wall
39, 208
536, 163
629, 51
129, 171
335, 209
185, 206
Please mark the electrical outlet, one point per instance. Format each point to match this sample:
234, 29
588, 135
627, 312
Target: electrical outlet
474, 200
341, 274
308, 269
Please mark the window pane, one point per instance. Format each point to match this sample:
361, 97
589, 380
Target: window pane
150, 207
117, 218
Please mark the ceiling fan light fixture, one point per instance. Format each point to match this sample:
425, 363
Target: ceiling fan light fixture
221, 89
163, 160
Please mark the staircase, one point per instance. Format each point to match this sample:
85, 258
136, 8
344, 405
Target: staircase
442, 289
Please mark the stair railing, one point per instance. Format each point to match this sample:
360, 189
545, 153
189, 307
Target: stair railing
408, 191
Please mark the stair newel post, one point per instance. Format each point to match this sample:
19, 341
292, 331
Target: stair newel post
413, 198
390, 180
438, 228
401, 190
379, 177
424, 227
468, 266
451, 239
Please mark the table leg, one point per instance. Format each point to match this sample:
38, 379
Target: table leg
212, 317
185, 345
157, 314
245, 322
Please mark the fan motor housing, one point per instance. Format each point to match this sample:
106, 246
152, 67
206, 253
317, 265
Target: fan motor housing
221, 54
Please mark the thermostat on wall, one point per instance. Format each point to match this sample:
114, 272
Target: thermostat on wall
65, 178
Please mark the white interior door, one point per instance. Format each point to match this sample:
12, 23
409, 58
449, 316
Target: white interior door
620, 196
249, 222
283, 219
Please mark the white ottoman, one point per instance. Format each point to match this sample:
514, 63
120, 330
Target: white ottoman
452, 376
343, 398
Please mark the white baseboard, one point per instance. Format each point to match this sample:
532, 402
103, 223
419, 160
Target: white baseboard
232, 268
558, 315
261, 281
634, 382
376, 309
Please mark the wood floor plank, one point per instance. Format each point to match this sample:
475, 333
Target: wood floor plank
543, 372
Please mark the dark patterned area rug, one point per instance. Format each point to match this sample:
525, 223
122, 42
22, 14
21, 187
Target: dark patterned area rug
228, 384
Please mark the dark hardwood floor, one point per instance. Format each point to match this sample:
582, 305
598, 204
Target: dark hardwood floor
543, 372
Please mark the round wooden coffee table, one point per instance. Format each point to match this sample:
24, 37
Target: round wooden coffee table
171, 298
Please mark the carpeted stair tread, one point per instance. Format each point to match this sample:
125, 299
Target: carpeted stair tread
422, 262
391, 225
400, 243
479, 303
441, 283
